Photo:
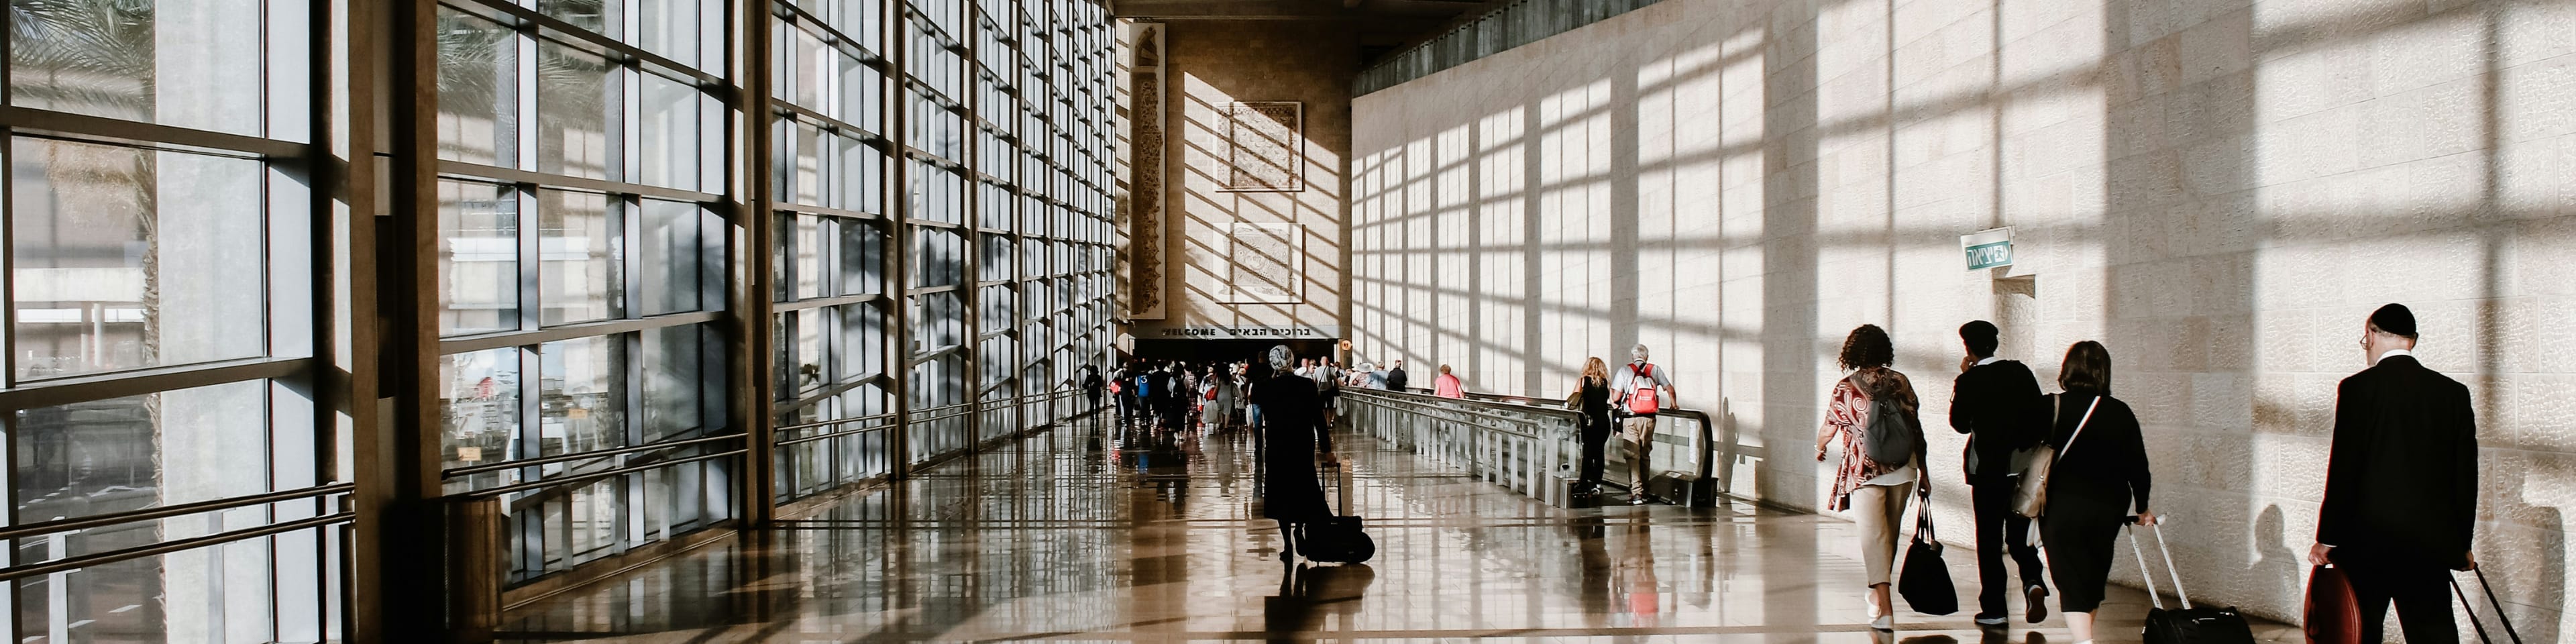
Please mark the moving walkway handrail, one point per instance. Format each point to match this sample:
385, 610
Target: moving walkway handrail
550, 460
1707, 438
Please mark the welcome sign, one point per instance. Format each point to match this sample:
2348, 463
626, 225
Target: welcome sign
1987, 248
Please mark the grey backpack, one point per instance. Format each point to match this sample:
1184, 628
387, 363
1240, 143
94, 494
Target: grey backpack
1888, 438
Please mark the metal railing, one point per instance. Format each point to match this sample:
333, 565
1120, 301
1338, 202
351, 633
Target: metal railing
1691, 445
1524, 448
282, 505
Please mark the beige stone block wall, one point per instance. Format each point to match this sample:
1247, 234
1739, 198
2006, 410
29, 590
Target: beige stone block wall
2219, 190
1214, 64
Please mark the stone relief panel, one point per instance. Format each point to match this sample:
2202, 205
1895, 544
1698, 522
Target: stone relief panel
1265, 263
1264, 147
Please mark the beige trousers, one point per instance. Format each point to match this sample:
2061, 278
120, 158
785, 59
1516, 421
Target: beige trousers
1880, 511
1637, 441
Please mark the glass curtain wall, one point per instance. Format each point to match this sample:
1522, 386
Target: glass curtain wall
580, 261
830, 239
937, 215
168, 476
989, 118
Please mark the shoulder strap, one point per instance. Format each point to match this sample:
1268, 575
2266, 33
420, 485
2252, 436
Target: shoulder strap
2079, 427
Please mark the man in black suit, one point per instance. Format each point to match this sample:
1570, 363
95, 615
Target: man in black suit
1395, 380
1997, 403
2401, 486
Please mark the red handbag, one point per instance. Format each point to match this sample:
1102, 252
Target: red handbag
2331, 616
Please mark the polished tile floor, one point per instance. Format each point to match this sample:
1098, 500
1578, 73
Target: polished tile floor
1092, 533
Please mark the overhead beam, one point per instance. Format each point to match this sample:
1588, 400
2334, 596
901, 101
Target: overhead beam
1428, 10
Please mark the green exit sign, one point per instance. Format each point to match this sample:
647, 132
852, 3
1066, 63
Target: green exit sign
1987, 248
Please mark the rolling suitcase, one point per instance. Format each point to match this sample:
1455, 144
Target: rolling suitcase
2188, 625
1337, 538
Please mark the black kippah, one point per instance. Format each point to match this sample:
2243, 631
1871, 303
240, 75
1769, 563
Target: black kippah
2394, 319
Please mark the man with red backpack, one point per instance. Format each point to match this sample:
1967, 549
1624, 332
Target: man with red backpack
1642, 389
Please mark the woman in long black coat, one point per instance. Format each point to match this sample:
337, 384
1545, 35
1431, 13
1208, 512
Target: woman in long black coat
1292, 409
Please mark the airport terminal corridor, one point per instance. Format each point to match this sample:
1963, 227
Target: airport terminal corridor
1090, 532
806, 321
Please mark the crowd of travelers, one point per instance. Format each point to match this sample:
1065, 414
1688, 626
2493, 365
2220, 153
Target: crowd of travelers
2062, 473
2399, 502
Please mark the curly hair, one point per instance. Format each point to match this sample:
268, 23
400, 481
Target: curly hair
1867, 347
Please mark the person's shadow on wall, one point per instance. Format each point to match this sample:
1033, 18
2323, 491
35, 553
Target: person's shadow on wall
2278, 568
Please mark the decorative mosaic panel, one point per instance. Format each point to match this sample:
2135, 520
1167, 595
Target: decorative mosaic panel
1143, 217
1263, 147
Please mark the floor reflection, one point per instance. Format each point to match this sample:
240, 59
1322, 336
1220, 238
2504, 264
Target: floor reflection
1095, 532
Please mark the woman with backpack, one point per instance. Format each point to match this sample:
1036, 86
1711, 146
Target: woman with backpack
2100, 472
1873, 411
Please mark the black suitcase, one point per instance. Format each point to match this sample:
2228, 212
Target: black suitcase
2186, 625
1338, 538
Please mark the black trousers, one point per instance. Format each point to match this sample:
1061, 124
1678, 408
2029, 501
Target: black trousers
2000, 530
2423, 609
1596, 437
2079, 552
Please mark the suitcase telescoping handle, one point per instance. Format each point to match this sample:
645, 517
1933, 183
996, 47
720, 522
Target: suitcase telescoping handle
1331, 473
2497, 604
2149, 576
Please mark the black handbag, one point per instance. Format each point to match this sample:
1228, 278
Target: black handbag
1925, 581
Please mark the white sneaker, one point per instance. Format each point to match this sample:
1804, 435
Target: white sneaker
1884, 623
1992, 621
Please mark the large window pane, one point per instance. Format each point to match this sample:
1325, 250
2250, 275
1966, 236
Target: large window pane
478, 94
669, 147
669, 254
862, 177
582, 395
863, 335
810, 257
805, 177
673, 373
580, 113
580, 268
478, 258
862, 258
673, 28
129, 258
193, 64
478, 400
136, 452
603, 17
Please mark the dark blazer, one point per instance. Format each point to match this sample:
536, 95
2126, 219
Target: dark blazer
2104, 473
1999, 407
1395, 379
2402, 483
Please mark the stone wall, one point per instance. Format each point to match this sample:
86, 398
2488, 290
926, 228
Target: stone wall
2219, 190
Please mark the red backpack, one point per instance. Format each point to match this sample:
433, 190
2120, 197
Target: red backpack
1642, 400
